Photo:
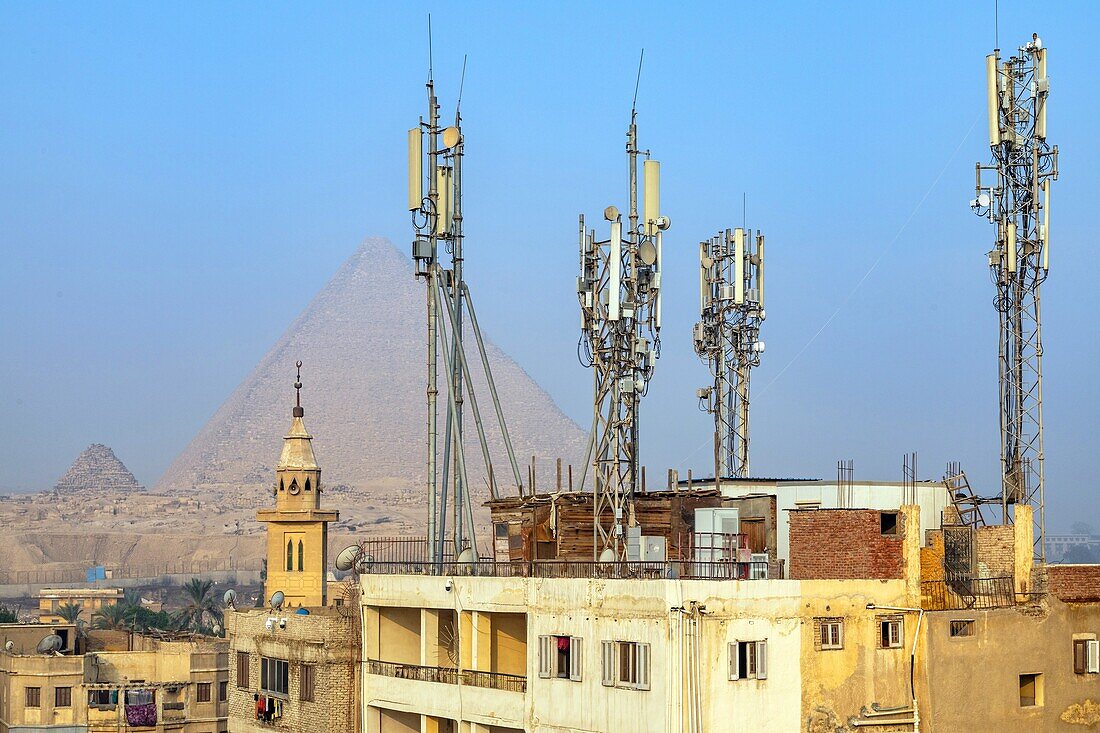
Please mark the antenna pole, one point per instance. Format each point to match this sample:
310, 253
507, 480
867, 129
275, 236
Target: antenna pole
1016, 200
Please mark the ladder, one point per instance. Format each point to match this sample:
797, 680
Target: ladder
967, 504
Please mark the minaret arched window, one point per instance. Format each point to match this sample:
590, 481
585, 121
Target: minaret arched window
307, 484
301, 555
290, 554
280, 485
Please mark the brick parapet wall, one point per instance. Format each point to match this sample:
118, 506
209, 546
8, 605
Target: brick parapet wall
995, 551
1074, 583
844, 544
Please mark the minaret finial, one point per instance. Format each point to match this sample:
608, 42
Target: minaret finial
298, 411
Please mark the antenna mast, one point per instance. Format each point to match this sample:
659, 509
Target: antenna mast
437, 220
727, 336
619, 294
1017, 202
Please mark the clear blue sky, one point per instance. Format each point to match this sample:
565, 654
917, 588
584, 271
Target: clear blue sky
177, 180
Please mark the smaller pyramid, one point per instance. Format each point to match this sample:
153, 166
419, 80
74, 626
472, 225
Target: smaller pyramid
98, 469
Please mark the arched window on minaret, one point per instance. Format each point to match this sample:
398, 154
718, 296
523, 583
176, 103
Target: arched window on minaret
301, 556
307, 484
290, 554
280, 485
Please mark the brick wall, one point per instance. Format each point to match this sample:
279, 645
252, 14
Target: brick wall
844, 544
994, 550
324, 639
1074, 583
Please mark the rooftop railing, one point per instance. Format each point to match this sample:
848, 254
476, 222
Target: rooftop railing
965, 593
670, 569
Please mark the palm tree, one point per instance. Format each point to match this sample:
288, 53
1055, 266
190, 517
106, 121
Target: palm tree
201, 605
70, 611
113, 616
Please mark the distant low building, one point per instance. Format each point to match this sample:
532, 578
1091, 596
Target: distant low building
89, 600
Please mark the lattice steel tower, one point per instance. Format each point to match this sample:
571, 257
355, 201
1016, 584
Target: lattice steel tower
437, 220
727, 336
619, 292
1017, 201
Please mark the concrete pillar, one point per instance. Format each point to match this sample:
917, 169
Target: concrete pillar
911, 543
370, 632
482, 640
1023, 541
429, 638
465, 637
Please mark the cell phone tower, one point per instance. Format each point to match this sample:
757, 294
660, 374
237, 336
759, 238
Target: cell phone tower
727, 336
435, 203
620, 297
1017, 202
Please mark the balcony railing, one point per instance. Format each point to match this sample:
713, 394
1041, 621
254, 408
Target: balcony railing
684, 569
447, 675
966, 593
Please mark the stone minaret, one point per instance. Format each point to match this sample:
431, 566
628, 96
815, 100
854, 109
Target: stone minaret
297, 528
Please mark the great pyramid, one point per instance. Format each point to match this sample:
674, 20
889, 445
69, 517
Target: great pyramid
362, 344
97, 468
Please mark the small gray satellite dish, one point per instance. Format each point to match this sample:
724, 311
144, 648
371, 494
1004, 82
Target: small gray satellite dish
230, 598
663, 222
346, 559
608, 555
49, 644
451, 137
647, 252
467, 557
611, 213
217, 629
983, 200
277, 599
9, 645
706, 262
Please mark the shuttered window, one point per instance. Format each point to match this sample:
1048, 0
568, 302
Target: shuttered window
33, 697
242, 670
305, 686
626, 664
748, 660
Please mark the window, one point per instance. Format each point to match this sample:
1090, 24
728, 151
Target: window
102, 698
274, 676
560, 656
305, 684
1086, 656
962, 627
888, 523
242, 670
307, 484
33, 697
748, 660
890, 632
202, 692
62, 697
1031, 690
223, 691
626, 664
301, 555
289, 555
831, 633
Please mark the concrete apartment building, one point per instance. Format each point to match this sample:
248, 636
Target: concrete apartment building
111, 681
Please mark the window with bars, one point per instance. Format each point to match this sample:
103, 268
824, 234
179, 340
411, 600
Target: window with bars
626, 664
748, 660
202, 692
275, 676
62, 697
242, 670
32, 697
962, 627
560, 657
306, 682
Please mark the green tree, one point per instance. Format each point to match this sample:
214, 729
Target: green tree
201, 608
69, 611
8, 616
117, 616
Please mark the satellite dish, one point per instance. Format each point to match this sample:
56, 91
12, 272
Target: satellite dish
608, 555
647, 252
346, 558
611, 213
467, 557
983, 200
451, 137
277, 599
706, 261
663, 222
9, 645
51, 643
217, 629
230, 598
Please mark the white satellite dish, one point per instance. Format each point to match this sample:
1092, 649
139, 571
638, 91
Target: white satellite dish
451, 137
277, 599
983, 200
611, 213
608, 555
230, 598
217, 629
706, 261
346, 559
647, 252
49, 644
9, 645
467, 557
663, 222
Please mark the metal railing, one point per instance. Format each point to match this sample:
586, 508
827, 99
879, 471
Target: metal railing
448, 675
671, 569
966, 593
